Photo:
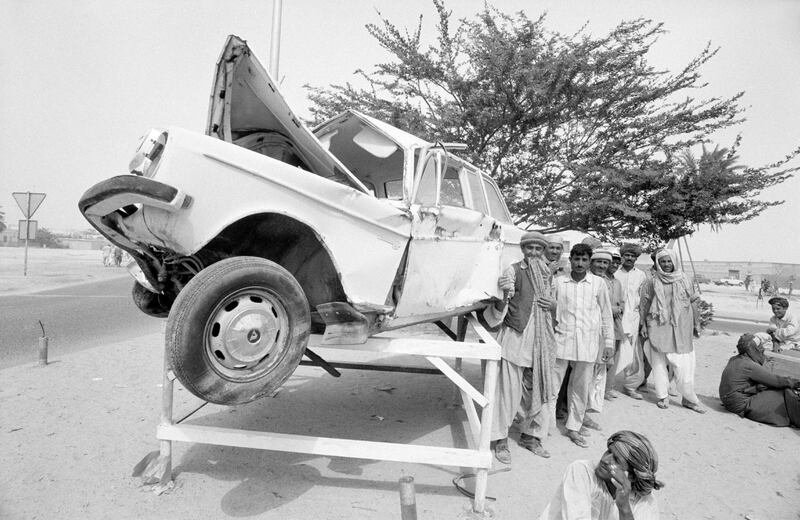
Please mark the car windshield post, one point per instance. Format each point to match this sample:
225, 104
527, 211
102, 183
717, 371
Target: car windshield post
428, 177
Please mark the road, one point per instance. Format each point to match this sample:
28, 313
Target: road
75, 318
737, 327
90, 315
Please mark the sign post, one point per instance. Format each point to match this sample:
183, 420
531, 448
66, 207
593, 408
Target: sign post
28, 202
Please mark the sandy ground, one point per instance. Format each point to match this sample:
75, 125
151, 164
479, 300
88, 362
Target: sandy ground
72, 432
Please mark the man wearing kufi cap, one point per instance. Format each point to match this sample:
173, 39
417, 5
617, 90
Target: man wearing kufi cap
555, 248
526, 382
784, 326
630, 359
602, 260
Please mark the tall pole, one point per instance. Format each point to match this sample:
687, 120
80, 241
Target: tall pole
686, 243
27, 232
275, 46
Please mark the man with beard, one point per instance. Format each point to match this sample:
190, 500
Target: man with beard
526, 382
667, 322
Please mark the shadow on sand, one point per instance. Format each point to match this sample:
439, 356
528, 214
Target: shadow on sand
364, 405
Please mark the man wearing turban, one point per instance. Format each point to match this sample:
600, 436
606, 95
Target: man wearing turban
784, 326
630, 358
619, 486
668, 324
748, 389
526, 383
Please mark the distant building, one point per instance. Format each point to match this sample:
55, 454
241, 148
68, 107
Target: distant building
84, 243
776, 272
9, 237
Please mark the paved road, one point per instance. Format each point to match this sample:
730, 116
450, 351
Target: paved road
737, 327
85, 316
75, 318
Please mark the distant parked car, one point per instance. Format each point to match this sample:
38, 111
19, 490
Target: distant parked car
701, 278
733, 282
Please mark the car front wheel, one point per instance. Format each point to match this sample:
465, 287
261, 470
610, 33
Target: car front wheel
238, 330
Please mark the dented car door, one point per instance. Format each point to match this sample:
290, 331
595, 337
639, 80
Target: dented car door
454, 257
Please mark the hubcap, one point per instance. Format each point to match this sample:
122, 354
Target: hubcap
246, 333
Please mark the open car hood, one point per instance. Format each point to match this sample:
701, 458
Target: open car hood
245, 100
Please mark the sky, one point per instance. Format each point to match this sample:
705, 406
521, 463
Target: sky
81, 80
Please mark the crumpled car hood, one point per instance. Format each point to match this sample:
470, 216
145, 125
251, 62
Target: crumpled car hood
245, 99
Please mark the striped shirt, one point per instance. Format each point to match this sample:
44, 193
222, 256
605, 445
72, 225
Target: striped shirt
583, 312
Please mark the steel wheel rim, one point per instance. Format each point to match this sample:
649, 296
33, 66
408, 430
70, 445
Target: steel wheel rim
246, 334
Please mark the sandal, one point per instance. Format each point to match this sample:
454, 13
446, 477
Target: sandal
693, 407
663, 404
531, 443
590, 423
576, 438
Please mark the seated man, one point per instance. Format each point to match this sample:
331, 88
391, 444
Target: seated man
619, 486
751, 391
784, 327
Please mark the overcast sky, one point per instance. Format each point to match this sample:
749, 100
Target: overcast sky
82, 80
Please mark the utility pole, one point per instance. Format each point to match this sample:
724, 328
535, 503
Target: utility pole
275, 45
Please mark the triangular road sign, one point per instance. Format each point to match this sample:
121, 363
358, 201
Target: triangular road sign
28, 202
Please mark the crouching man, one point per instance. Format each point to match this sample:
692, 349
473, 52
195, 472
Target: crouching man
526, 383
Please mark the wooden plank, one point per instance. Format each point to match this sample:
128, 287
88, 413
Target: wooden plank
459, 381
472, 419
417, 347
326, 446
482, 332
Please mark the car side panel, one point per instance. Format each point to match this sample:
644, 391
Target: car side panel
365, 236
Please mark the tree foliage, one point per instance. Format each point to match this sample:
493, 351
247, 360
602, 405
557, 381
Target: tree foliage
579, 131
46, 238
2, 220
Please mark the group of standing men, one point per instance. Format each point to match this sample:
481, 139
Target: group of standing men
584, 327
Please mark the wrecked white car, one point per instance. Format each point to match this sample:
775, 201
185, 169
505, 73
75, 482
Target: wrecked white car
253, 236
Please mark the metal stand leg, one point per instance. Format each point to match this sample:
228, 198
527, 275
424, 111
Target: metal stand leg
159, 470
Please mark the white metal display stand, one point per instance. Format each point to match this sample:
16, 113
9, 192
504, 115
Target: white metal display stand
478, 456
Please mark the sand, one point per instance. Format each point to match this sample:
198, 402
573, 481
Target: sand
72, 432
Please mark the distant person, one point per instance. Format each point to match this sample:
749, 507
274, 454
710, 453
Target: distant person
747, 281
753, 392
784, 326
618, 487
117, 257
106, 255
667, 319
791, 284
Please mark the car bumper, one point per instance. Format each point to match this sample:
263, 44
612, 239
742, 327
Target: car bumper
108, 204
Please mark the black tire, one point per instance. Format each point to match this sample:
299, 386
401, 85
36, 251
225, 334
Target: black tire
238, 330
149, 303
